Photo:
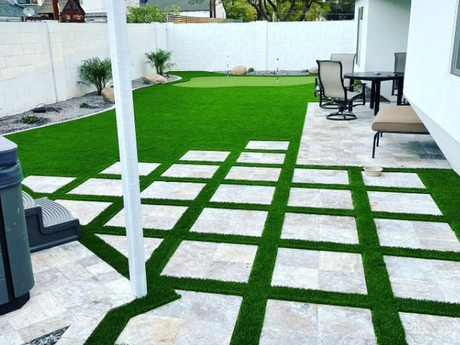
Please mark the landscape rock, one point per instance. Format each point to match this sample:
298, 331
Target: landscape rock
313, 70
107, 93
155, 79
239, 70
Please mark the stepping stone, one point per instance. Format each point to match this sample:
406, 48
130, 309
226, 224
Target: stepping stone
312, 227
120, 243
320, 176
430, 329
209, 260
261, 158
320, 198
46, 184
394, 179
319, 270
195, 318
436, 280
205, 156
191, 171
267, 145
172, 190
84, 211
99, 186
418, 235
254, 174
144, 169
403, 203
304, 323
159, 217
230, 222
240, 194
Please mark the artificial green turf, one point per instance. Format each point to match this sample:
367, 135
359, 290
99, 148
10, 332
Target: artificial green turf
172, 120
245, 81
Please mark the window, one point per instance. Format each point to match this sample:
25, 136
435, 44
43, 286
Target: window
456, 56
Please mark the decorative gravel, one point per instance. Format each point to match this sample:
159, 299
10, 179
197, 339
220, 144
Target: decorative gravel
49, 339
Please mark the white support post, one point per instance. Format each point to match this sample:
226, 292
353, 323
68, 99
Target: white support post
121, 70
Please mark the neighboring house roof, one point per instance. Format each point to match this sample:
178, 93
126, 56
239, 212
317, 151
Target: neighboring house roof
12, 11
184, 5
47, 6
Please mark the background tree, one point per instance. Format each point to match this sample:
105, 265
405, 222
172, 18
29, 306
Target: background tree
150, 14
288, 10
239, 9
340, 10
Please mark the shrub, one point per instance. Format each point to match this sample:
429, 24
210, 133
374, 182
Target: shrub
95, 72
250, 70
149, 14
29, 119
160, 60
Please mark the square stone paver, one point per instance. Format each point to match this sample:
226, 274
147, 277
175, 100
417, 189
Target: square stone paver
84, 211
319, 270
46, 184
304, 323
403, 203
267, 145
172, 190
320, 176
320, 198
230, 222
99, 186
431, 329
436, 280
415, 234
205, 156
195, 318
261, 158
209, 260
191, 171
254, 174
312, 227
160, 217
120, 243
144, 169
240, 194
394, 179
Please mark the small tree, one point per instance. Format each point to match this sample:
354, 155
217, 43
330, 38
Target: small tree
239, 9
160, 60
95, 72
150, 14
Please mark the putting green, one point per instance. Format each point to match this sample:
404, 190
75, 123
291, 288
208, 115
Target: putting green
232, 81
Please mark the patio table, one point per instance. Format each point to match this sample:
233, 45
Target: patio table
376, 78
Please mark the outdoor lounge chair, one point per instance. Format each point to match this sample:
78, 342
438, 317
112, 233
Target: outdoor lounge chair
331, 79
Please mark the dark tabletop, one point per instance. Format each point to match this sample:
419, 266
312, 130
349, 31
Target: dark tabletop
374, 76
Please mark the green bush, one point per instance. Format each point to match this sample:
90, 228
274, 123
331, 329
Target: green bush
95, 72
29, 119
150, 14
160, 60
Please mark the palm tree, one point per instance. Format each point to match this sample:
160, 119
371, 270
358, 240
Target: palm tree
95, 72
160, 60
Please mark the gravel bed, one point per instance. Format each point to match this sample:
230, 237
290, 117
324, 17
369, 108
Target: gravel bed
68, 109
49, 339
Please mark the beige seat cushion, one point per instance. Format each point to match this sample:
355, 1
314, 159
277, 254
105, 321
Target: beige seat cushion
398, 119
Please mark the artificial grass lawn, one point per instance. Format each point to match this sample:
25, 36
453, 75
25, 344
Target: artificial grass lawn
172, 120
233, 81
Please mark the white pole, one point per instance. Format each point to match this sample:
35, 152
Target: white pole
277, 72
228, 65
121, 69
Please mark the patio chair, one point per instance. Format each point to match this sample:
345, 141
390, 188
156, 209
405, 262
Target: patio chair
331, 79
400, 67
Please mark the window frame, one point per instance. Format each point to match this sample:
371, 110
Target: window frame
456, 51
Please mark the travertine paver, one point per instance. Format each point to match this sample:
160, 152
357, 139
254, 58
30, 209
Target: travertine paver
403, 203
191, 171
267, 145
394, 179
230, 222
99, 186
172, 190
84, 211
160, 217
319, 270
253, 174
304, 323
431, 329
209, 260
46, 184
261, 158
312, 227
241, 194
144, 168
205, 156
415, 234
195, 318
436, 280
320, 176
120, 243
320, 198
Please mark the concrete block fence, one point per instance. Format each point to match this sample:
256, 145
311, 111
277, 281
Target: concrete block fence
39, 61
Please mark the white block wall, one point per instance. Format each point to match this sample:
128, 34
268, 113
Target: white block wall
39, 61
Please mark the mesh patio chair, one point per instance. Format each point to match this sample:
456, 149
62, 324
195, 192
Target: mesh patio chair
400, 67
330, 75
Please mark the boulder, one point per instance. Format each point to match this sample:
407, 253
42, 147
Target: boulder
154, 78
239, 70
107, 93
313, 70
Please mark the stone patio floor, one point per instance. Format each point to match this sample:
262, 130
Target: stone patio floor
76, 288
